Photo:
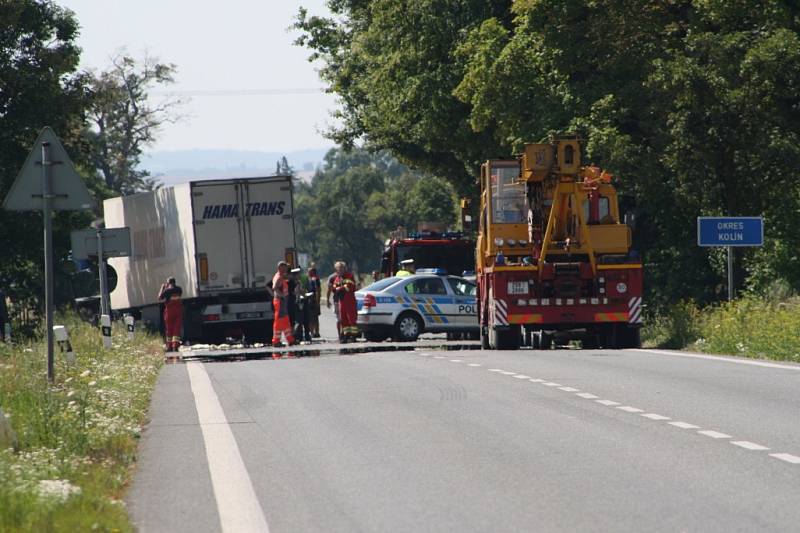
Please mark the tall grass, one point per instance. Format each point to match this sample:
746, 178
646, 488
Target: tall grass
749, 327
77, 438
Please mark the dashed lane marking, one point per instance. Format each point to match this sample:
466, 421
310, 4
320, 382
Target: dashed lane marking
629, 409
521, 376
653, 416
474, 364
551, 384
456, 361
496, 370
683, 425
607, 402
236, 499
587, 396
747, 445
537, 380
714, 434
568, 389
507, 373
789, 458
438, 357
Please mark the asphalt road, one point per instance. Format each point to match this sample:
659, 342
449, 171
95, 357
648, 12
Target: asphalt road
432, 440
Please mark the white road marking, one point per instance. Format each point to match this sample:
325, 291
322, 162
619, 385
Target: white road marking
537, 380
714, 434
456, 361
607, 402
236, 499
789, 458
438, 357
507, 373
629, 409
551, 384
521, 376
683, 425
720, 359
653, 416
496, 370
587, 395
474, 364
749, 445
568, 389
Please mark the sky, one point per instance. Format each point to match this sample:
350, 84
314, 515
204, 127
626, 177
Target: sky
225, 47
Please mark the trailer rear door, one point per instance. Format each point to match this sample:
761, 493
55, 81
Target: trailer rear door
269, 226
219, 236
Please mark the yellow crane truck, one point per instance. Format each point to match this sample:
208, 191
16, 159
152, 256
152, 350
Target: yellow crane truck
553, 259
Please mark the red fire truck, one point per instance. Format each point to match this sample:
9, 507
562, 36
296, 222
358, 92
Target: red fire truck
450, 251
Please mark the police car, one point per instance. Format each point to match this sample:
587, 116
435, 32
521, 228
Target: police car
429, 301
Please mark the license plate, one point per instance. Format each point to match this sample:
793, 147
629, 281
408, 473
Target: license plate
517, 287
248, 315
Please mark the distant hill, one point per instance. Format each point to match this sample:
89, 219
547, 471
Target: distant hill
173, 167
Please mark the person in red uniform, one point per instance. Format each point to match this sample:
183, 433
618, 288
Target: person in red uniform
344, 285
280, 304
170, 294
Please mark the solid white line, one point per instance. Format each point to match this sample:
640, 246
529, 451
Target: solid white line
521, 376
568, 389
587, 395
653, 416
537, 380
714, 434
683, 425
749, 445
474, 364
237, 503
551, 384
629, 409
720, 359
607, 402
789, 458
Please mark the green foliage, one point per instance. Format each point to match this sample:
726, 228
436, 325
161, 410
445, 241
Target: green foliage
78, 436
693, 104
675, 328
357, 199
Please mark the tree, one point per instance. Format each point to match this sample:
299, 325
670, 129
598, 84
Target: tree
124, 120
39, 86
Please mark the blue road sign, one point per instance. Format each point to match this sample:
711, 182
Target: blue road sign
730, 231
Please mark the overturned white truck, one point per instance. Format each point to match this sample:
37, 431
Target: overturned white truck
220, 240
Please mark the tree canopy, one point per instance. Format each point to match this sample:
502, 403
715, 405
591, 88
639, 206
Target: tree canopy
692, 103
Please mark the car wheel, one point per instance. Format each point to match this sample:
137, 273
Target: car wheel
407, 328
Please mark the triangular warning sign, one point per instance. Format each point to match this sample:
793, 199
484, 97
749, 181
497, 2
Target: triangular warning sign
68, 190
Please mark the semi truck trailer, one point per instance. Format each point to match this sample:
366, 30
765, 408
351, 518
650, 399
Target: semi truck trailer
220, 240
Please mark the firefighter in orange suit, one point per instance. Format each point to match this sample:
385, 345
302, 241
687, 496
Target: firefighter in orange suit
170, 294
344, 285
280, 304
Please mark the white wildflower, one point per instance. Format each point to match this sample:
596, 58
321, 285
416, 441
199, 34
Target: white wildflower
92, 383
70, 394
68, 380
86, 373
57, 489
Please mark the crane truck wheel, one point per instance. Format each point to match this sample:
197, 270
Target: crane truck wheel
505, 339
407, 328
484, 335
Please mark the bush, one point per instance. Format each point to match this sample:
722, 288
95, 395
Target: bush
675, 329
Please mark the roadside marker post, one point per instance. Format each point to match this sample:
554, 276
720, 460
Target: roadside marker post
64, 345
48, 182
130, 324
105, 328
730, 232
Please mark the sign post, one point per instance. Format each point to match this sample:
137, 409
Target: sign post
730, 232
54, 186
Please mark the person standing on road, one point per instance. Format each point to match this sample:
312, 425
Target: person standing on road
303, 308
345, 286
170, 294
332, 292
280, 304
406, 268
314, 286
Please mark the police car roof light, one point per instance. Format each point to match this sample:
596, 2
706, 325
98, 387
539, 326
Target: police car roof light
437, 271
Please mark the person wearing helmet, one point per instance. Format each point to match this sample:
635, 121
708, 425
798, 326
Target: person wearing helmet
406, 268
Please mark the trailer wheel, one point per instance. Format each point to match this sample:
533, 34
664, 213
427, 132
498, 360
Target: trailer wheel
407, 328
508, 339
545, 340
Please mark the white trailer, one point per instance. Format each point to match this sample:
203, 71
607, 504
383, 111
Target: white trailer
220, 239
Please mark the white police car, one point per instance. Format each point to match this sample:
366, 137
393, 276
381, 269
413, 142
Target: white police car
428, 301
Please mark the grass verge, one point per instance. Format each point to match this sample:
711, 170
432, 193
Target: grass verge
749, 327
77, 438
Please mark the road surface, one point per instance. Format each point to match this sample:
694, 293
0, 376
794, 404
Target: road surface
427, 440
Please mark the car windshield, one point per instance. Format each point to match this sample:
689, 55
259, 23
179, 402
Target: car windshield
381, 284
453, 258
508, 195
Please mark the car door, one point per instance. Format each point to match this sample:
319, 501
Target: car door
427, 295
466, 306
